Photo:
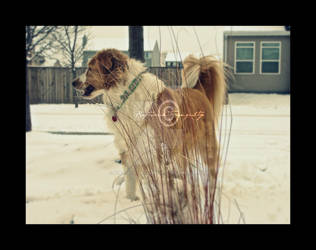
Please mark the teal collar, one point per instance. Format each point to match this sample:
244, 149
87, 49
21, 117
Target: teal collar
131, 88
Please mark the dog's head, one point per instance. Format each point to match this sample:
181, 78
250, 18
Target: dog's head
105, 70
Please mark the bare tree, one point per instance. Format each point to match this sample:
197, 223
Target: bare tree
37, 43
72, 40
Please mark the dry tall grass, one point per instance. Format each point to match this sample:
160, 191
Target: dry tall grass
174, 190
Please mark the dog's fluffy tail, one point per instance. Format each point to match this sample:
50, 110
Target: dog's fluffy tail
206, 74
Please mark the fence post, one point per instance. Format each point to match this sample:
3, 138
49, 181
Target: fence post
74, 93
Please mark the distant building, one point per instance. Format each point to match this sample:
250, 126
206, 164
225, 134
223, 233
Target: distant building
260, 61
87, 54
37, 61
174, 60
151, 56
57, 63
163, 59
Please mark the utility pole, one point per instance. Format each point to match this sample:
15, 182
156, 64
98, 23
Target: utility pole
136, 42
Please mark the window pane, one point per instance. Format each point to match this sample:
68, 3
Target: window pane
270, 67
244, 67
270, 45
270, 53
244, 44
244, 53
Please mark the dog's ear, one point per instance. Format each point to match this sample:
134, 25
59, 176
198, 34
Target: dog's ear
104, 62
111, 63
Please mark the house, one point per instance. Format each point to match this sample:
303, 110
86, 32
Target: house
151, 53
37, 61
260, 61
57, 63
174, 60
163, 59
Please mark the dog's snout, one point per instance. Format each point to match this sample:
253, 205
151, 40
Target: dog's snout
74, 83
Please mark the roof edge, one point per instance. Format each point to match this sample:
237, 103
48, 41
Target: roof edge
257, 33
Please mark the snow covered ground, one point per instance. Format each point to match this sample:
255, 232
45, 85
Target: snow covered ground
70, 165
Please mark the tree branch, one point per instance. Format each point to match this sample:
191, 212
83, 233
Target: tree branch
68, 37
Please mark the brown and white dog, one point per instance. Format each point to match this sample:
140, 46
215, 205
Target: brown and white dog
183, 119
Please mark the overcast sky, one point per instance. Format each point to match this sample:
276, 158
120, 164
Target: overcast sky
206, 40
188, 37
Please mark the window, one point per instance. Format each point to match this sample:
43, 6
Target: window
270, 57
148, 54
244, 57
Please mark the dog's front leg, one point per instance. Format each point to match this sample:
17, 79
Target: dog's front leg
130, 183
130, 178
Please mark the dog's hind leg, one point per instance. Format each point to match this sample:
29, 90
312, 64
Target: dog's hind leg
209, 152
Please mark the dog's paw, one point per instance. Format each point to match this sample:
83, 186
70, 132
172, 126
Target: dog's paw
132, 197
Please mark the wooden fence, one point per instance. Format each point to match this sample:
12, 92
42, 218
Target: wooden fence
53, 84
